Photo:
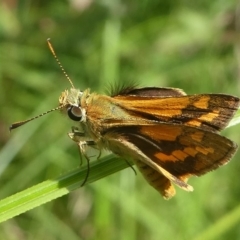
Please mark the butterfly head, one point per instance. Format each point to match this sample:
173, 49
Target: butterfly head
70, 102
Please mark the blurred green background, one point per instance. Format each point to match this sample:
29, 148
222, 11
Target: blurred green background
193, 45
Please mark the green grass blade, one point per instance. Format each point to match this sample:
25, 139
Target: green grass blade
52, 189
235, 120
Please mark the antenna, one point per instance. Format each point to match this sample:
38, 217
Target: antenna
19, 124
58, 62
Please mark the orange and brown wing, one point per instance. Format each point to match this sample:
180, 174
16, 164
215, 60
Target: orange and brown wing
171, 152
208, 111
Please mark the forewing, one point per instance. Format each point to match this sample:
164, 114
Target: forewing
209, 111
150, 92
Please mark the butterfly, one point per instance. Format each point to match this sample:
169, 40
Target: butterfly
170, 136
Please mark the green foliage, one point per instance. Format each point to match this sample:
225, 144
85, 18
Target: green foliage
184, 44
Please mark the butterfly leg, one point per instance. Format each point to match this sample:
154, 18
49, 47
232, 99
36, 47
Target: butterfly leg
83, 142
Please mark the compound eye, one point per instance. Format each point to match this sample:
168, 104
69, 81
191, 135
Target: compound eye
75, 113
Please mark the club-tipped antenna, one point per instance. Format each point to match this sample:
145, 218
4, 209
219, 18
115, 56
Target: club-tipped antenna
58, 62
18, 124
